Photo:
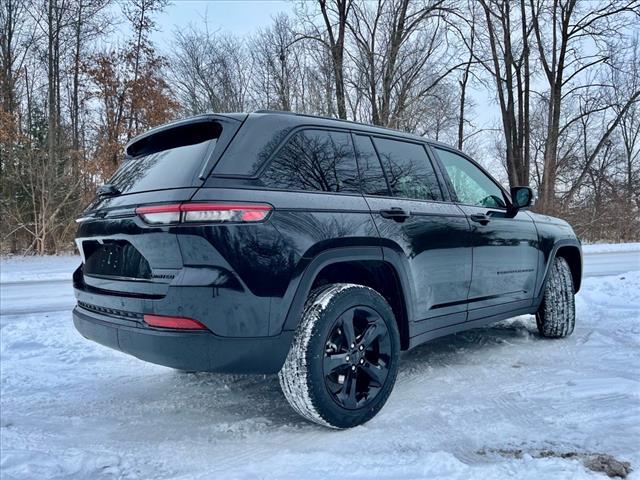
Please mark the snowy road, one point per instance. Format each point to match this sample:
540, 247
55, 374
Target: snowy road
38, 296
497, 402
610, 263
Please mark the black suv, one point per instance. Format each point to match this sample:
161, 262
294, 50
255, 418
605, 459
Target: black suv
317, 248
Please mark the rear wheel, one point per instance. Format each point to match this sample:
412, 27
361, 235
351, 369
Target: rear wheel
556, 316
344, 359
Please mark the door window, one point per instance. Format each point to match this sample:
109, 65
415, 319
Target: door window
317, 160
373, 180
408, 169
470, 184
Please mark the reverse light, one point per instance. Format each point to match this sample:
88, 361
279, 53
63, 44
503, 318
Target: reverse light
178, 323
159, 214
203, 213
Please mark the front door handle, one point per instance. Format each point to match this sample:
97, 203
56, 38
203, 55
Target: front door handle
481, 218
395, 213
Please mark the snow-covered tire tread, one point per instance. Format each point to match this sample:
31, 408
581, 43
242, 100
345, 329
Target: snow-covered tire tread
294, 375
556, 316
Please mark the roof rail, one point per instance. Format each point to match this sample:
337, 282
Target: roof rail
283, 112
323, 117
333, 119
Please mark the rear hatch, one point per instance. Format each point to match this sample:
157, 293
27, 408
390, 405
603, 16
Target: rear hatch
167, 165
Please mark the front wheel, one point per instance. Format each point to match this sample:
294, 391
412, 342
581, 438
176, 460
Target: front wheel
556, 316
344, 359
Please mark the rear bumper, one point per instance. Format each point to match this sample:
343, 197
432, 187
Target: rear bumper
189, 350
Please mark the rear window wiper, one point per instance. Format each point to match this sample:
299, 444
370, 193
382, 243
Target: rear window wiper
108, 190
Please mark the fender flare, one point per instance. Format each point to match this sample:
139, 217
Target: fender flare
346, 254
567, 242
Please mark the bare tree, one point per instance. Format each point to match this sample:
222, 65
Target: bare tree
277, 65
561, 29
13, 49
610, 104
629, 128
332, 35
402, 55
139, 14
508, 62
335, 16
211, 72
88, 22
470, 41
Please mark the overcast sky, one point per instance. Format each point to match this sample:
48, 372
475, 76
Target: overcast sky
233, 16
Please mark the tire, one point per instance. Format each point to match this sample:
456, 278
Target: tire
556, 316
343, 362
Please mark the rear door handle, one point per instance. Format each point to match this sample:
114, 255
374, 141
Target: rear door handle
395, 213
482, 219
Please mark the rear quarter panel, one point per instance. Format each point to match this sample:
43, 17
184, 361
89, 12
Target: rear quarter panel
270, 258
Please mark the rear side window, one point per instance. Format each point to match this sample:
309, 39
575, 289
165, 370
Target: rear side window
408, 169
168, 159
315, 160
373, 181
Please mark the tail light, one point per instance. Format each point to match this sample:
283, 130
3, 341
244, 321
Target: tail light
178, 323
204, 213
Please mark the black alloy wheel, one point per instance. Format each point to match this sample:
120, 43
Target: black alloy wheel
343, 361
357, 357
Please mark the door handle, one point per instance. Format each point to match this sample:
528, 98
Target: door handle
395, 213
482, 219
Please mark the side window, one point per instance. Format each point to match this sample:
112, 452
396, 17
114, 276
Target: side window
471, 185
373, 181
408, 169
317, 160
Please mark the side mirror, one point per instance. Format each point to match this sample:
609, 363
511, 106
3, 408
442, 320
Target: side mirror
522, 197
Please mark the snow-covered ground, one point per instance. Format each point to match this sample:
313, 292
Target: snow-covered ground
18, 269
497, 402
610, 247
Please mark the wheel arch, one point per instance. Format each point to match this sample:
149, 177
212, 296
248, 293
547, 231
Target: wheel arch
367, 266
571, 251
573, 255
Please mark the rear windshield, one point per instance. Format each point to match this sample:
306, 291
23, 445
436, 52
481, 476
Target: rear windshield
168, 159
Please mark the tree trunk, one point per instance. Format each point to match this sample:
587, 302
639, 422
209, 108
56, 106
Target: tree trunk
51, 86
548, 186
463, 87
75, 104
336, 47
133, 115
526, 126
